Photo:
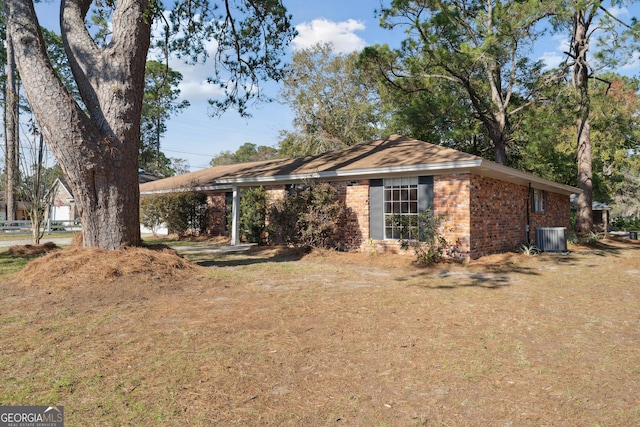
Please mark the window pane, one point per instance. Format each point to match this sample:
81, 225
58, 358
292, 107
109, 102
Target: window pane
390, 221
400, 208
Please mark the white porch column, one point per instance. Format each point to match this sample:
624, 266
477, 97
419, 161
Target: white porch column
235, 215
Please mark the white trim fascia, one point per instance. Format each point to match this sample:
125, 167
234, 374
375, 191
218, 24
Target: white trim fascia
198, 188
367, 172
535, 181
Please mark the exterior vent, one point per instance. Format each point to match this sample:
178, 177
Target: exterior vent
551, 239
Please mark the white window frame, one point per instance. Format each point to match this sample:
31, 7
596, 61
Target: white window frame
401, 208
538, 200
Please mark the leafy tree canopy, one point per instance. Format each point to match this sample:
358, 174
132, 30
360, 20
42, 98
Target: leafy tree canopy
479, 47
247, 152
158, 105
334, 103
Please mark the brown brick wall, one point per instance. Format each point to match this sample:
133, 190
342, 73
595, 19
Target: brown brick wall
354, 229
217, 214
481, 215
499, 215
451, 202
557, 214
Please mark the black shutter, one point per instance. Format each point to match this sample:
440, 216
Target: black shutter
376, 209
425, 193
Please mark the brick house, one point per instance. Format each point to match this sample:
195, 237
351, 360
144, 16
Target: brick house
488, 208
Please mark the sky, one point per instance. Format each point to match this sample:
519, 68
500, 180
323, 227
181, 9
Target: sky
349, 25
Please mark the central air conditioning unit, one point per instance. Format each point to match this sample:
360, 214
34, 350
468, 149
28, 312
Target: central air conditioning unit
551, 239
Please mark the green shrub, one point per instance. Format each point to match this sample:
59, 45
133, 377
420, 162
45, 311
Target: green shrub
321, 219
309, 217
182, 212
628, 223
253, 213
421, 233
152, 212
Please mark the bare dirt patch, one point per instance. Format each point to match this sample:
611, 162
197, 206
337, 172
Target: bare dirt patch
272, 336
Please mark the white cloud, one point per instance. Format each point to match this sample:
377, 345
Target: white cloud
194, 86
633, 64
618, 12
553, 58
340, 34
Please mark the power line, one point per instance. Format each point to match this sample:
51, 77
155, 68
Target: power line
193, 154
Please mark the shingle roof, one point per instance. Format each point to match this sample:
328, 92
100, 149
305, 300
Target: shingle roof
395, 155
595, 205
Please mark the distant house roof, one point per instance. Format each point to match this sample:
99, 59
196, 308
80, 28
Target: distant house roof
387, 157
596, 206
144, 176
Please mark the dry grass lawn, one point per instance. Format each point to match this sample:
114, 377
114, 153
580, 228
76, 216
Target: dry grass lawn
278, 337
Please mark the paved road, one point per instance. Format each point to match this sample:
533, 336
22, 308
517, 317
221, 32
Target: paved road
57, 241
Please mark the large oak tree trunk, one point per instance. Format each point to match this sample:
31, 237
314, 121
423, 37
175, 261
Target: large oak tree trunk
98, 152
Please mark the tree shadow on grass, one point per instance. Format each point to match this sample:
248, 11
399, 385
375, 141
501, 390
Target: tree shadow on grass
611, 246
447, 279
487, 273
255, 255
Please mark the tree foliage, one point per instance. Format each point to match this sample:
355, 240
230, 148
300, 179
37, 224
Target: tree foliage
333, 102
253, 214
479, 47
547, 136
247, 152
97, 148
586, 22
440, 113
158, 105
183, 213
309, 216
250, 38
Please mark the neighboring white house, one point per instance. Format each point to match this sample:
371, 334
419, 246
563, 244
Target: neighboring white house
63, 207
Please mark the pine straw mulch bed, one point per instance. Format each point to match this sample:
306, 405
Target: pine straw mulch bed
273, 336
76, 265
25, 250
